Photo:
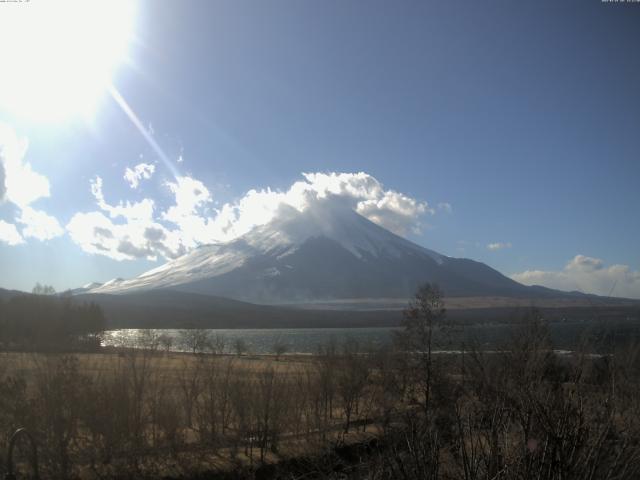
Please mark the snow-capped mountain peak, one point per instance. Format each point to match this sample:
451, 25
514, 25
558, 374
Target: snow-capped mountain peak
324, 252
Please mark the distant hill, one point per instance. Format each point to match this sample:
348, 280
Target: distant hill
176, 309
7, 294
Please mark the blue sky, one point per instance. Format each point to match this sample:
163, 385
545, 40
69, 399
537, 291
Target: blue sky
523, 117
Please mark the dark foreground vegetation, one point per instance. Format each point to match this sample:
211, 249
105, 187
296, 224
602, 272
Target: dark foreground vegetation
44, 322
520, 411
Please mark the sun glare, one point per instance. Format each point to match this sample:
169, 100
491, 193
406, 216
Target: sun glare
58, 57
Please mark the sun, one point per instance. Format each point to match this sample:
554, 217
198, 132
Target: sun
57, 57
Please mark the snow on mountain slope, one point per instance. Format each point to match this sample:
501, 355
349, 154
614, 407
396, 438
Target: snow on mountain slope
323, 252
85, 288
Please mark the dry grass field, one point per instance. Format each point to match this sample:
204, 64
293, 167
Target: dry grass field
149, 413
169, 365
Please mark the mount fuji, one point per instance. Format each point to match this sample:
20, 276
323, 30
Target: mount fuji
323, 253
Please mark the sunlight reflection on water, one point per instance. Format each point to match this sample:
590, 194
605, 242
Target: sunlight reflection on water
261, 341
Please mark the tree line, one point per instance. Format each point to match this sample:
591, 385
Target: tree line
46, 321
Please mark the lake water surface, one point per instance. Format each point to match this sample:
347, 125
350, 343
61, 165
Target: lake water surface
262, 341
307, 340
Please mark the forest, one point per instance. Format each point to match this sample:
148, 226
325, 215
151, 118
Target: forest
43, 321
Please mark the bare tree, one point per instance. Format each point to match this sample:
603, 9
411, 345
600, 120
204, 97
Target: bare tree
352, 378
327, 365
219, 344
425, 313
166, 341
240, 346
196, 340
39, 289
215, 407
279, 347
190, 382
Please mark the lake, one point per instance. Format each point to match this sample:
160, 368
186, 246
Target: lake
307, 340
262, 341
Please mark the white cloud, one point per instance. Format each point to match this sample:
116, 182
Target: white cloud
134, 175
9, 234
138, 211
21, 185
39, 225
135, 235
96, 233
394, 211
499, 245
24, 186
388, 208
589, 275
193, 220
190, 194
3, 176
360, 191
12, 150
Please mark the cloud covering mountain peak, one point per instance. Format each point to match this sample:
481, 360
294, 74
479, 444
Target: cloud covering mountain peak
192, 220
